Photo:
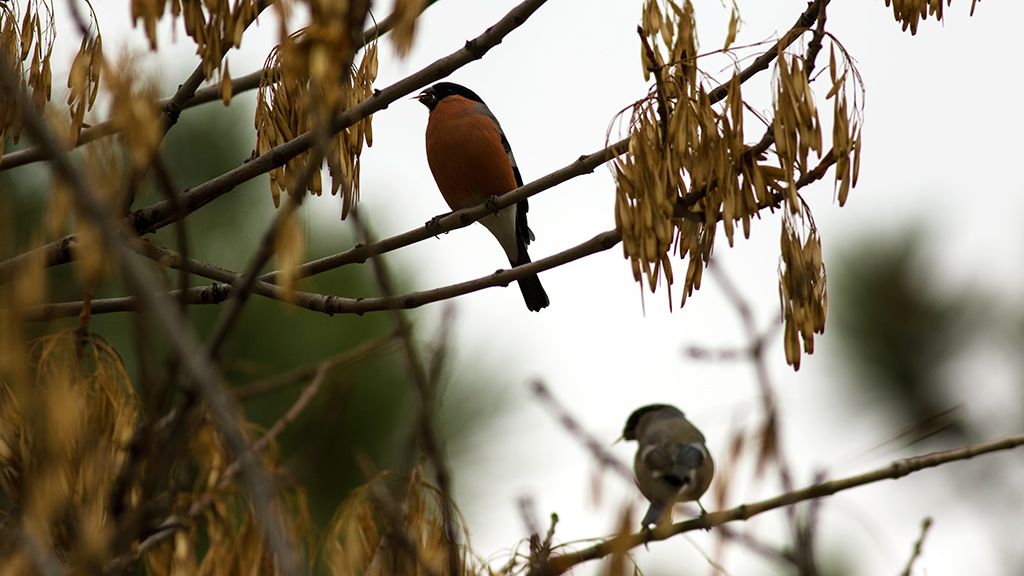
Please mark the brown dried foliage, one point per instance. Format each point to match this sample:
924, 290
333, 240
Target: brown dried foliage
910, 12
374, 534
802, 290
689, 166
215, 25
84, 82
69, 423
404, 32
312, 88
136, 113
65, 427
20, 36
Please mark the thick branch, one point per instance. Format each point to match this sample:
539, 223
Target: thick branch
331, 305
217, 293
458, 219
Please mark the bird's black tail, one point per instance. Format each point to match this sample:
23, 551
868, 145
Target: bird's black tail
534, 294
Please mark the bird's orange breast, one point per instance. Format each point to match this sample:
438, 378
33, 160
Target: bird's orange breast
465, 154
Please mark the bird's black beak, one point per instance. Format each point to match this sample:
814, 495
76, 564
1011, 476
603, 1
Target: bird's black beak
427, 98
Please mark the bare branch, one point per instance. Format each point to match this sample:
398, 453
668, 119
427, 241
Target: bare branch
458, 219
217, 293
896, 469
284, 379
761, 62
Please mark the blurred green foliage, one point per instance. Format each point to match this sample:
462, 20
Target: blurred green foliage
897, 331
363, 407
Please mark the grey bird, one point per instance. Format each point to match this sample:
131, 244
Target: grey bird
672, 463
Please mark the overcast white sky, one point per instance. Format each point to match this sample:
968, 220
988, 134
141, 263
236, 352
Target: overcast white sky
942, 140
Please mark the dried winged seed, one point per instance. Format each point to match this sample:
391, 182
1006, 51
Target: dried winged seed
47, 77
240, 24
832, 62
629, 245
623, 216
34, 68
698, 273
26, 32
856, 156
225, 86
809, 343
734, 22
284, 131
836, 85
650, 247
275, 190
844, 189
792, 345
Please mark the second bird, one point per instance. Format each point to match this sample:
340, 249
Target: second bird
471, 160
672, 463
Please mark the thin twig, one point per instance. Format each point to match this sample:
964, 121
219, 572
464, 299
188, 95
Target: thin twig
454, 220
285, 379
925, 525
258, 446
243, 288
166, 181
597, 451
894, 470
217, 293
157, 215
424, 394
174, 523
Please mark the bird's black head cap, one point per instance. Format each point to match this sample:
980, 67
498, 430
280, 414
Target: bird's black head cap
629, 432
431, 96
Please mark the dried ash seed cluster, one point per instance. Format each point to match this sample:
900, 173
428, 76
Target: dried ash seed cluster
688, 166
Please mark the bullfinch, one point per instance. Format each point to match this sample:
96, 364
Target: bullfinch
672, 463
472, 161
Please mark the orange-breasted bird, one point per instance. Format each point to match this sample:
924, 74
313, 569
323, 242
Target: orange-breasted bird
472, 161
672, 463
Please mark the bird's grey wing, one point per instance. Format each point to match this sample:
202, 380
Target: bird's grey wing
687, 456
658, 459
